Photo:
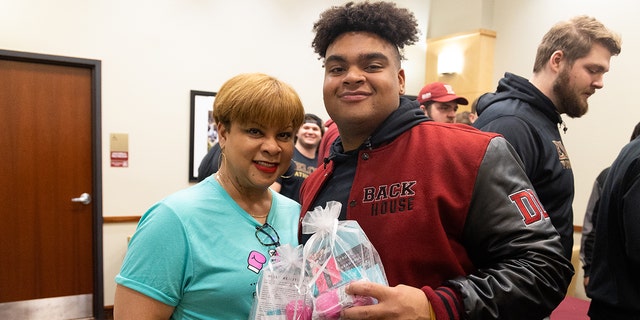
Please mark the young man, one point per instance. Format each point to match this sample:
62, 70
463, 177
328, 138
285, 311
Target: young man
569, 67
305, 157
455, 242
439, 102
614, 283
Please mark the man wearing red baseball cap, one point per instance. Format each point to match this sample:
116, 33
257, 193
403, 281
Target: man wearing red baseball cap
439, 102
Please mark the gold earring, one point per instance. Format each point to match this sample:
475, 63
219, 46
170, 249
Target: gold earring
220, 157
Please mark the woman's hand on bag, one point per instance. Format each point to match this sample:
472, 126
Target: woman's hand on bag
399, 302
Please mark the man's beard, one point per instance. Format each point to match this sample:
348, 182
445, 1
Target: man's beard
569, 101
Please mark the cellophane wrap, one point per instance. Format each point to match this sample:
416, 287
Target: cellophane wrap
337, 253
281, 288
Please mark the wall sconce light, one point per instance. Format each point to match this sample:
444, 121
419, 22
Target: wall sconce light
450, 60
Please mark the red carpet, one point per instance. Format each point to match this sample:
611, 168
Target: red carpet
571, 309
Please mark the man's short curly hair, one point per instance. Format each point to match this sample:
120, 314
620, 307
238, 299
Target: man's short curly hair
396, 25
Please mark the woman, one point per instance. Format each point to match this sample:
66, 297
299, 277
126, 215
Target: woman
198, 252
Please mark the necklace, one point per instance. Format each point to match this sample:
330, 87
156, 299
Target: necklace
259, 217
254, 216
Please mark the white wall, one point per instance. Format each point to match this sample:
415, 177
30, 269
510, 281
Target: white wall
153, 53
447, 17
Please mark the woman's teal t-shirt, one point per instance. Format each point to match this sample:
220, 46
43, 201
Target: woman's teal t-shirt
197, 250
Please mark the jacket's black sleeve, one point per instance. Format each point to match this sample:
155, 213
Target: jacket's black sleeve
521, 271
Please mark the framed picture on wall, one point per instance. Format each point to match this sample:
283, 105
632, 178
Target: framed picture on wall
204, 133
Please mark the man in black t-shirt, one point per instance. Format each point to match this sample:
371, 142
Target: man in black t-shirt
305, 157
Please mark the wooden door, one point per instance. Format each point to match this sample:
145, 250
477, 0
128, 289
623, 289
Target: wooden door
50, 236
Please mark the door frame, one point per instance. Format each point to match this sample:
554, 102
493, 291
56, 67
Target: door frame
96, 155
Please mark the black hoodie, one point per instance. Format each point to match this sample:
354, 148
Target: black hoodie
530, 122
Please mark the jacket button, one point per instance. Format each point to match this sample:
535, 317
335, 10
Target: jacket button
352, 203
365, 156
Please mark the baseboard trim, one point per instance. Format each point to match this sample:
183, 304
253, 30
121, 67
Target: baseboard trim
108, 312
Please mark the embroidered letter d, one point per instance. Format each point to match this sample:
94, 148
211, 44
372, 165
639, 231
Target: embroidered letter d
529, 206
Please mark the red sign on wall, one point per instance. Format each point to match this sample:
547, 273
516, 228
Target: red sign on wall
119, 159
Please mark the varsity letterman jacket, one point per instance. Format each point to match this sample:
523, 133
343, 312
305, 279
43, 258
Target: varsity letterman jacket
451, 211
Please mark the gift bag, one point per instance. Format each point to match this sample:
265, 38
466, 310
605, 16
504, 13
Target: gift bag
337, 253
281, 288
